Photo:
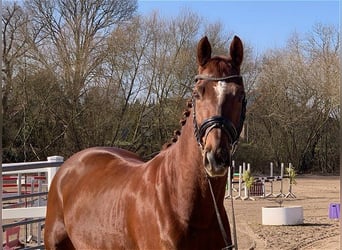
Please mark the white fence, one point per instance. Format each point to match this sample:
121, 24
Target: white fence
18, 171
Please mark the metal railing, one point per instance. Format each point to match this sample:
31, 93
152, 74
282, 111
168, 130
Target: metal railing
35, 176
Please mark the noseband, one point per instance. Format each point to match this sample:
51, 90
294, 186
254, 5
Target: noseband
219, 121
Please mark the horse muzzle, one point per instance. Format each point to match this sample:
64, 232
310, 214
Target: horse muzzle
216, 136
216, 162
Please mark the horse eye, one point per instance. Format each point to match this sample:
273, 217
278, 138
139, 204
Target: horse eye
199, 90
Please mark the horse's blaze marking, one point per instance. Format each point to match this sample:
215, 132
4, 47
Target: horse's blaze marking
222, 88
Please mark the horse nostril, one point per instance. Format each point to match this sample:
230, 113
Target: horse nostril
216, 162
217, 157
221, 156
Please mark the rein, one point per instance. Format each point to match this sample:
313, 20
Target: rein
233, 133
219, 220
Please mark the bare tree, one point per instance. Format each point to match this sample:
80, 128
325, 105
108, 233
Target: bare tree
159, 53
74, 34
14, 22
295, 93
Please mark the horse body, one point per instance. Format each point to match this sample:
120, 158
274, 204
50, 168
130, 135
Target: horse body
108, 198
156, 198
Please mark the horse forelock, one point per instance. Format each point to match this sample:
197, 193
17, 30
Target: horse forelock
219, 66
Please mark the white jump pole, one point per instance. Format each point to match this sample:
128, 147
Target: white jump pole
281, 194
229, 181
240, 183
240, 180
282, 177
271, 180
231, 172
271, 175
246, 191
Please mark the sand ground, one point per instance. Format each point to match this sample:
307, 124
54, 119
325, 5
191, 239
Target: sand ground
314, 194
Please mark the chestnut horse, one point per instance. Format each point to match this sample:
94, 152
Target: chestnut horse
108, 198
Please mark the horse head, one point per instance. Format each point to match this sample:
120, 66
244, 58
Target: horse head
218, 105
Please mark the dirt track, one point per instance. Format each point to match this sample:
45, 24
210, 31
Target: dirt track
318, 231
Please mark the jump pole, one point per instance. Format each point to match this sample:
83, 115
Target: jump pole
240, 184
229, 181
281, 194
271, 180
246, 191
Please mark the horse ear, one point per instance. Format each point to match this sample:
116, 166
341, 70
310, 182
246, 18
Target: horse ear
236, 51
203, 51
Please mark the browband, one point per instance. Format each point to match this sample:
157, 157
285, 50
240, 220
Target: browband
225, 78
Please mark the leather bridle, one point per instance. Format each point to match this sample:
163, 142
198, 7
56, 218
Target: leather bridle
219, 121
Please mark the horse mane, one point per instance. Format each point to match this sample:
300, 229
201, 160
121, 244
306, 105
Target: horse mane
182, 122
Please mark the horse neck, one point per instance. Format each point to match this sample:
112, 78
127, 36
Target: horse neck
187, 178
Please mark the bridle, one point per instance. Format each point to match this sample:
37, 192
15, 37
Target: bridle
219, 121
230, 130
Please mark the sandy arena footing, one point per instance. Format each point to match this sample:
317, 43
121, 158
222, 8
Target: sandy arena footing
314, 194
